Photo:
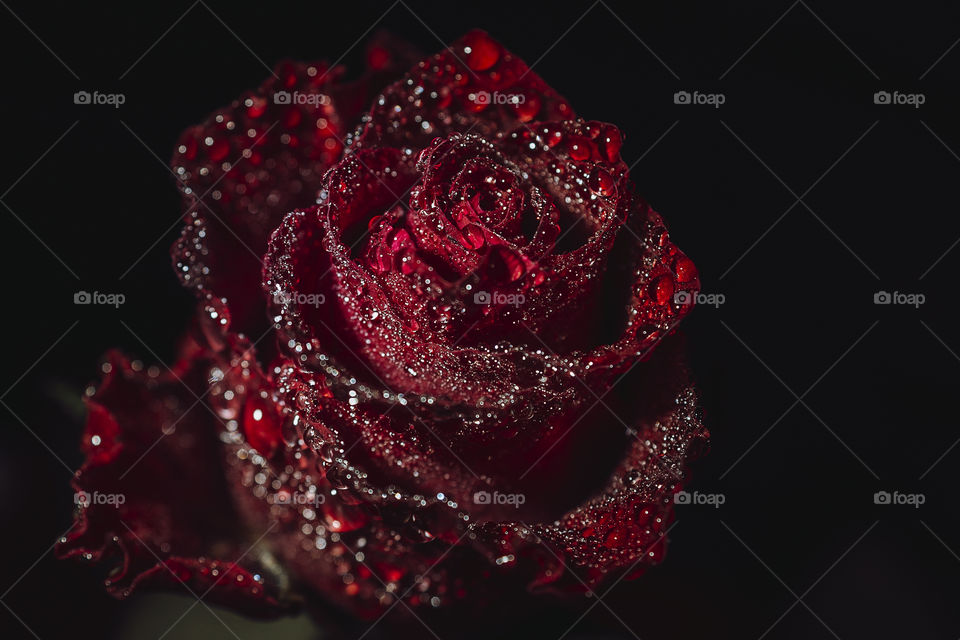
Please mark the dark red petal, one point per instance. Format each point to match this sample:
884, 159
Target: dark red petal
474, 85
624, 526
399, 534
152, 502
255, 160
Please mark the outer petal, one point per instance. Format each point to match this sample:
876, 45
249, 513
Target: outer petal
474, 85
358, 532
624, 526
152, 499
253, 161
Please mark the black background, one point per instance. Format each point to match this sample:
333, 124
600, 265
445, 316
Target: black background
799, 518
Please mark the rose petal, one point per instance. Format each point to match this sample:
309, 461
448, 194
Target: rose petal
253, 161
460, 90
152, 499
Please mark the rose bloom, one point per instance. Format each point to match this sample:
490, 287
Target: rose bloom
433, 364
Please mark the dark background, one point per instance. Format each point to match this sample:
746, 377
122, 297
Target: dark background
798, 478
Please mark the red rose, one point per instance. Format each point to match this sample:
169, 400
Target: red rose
450, 378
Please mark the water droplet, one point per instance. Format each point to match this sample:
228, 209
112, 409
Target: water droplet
661, 289
482, 52
601, 182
